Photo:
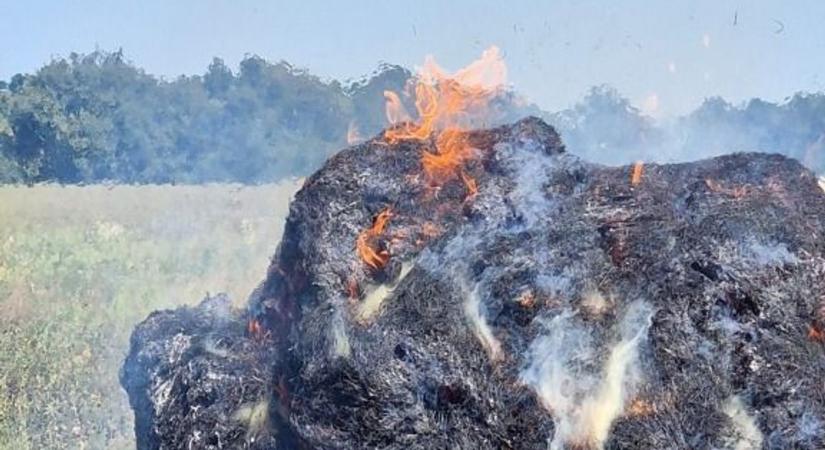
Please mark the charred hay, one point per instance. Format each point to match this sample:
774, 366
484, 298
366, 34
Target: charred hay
564, 304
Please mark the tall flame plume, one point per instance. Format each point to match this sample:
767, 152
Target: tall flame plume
446, 106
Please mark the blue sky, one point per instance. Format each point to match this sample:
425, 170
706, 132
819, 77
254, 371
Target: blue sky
667, 56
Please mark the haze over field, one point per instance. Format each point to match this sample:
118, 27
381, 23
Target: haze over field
98, 117
80, 266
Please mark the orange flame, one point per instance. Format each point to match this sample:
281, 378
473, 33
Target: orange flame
365, 243
448, 105
470, 182
636, 174
396, 113
353, 134
453, 151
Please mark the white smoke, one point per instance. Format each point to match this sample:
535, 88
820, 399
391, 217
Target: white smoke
606, 128
810, 426
770, 254
531, 168
452, 264
373, 301
584, 396
476, 313
746, 434
338, 334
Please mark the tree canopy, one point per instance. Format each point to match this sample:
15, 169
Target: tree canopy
97, 117
94, 117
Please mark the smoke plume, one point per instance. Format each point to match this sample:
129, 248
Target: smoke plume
582, 384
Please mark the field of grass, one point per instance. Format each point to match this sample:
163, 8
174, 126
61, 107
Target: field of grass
80, 266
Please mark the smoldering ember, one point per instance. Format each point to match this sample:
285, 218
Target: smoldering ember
453, 287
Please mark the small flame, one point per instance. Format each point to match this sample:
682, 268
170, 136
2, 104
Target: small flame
353, 134
256, 330
396, 113
636, 173
448, 105
365, 243
470, 182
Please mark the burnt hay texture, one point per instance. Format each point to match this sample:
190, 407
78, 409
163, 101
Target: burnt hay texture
562, 306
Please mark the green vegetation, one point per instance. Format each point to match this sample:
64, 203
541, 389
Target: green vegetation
80, 266
605, 127
88, 118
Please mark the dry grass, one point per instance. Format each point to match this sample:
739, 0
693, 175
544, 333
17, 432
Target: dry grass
79, 266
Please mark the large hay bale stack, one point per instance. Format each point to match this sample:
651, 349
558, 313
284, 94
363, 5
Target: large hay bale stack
526, 298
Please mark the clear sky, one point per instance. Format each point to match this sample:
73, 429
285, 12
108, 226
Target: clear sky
666, 55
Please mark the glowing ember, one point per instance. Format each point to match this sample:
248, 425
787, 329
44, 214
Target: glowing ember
368, 251
447, 105
735, 192
256, 329
639, 408
816, 334
352, 289
282, 391
430, 229
636, 173
527, 299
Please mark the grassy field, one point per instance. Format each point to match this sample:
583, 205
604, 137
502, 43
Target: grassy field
80, 266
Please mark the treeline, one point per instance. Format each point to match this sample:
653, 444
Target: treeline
605, 127
96, 117
88, 118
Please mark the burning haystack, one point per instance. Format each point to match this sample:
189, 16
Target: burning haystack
444, 287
